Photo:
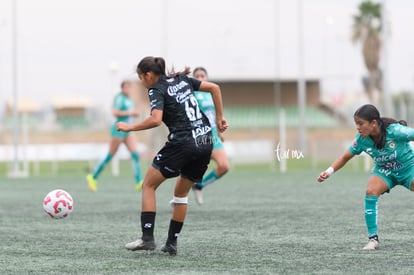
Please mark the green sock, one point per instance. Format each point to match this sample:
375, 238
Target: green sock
102, 165
209, 179
136, 167
371, 214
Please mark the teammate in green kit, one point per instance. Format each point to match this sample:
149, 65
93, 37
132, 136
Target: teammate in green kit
386, 140
219, 155
123, 109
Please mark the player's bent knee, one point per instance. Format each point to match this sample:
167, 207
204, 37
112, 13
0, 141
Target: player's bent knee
372, 192
178, 200
222, 169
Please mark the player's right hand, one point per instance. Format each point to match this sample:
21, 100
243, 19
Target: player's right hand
122, 126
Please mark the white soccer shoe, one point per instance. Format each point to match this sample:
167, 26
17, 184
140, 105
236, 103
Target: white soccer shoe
140, 245
371, 245
198, 194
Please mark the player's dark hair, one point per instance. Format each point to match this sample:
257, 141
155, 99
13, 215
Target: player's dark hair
156, 65
200, 69
369, 113
152, 64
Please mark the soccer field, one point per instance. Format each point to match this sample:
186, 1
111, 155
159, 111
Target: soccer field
252, 222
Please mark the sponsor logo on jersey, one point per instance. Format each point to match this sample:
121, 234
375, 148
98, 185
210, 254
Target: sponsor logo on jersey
204, 140
197, 123
201, 131
393, 165
172, 90
385, 158
183, 96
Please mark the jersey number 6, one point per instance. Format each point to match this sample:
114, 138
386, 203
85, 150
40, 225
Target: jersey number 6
192, 109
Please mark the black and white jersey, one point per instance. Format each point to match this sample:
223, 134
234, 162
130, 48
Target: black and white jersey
181, 113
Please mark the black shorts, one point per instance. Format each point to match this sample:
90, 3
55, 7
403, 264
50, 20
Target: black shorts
188, 160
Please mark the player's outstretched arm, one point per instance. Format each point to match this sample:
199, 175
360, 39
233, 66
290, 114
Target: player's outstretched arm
335, 166
215, 91
119, 113
154, 120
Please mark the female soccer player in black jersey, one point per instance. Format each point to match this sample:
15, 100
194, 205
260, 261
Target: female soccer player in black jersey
187, 152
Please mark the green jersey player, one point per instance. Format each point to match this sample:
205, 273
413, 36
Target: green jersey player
219, 155
123, 109
386, 141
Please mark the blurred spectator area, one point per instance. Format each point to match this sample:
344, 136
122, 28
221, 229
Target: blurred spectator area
247, 105
252, 109
28, 109
257, 104
59, 113
72, 111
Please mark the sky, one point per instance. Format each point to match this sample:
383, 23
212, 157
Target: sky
85, 48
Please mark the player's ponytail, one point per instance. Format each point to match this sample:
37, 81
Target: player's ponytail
384, 123
173, 73
387, 121
160, 62
403, 122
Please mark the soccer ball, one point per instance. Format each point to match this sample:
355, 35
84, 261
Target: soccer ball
58, 204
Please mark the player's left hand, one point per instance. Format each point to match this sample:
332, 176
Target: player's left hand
122, 126
222, 124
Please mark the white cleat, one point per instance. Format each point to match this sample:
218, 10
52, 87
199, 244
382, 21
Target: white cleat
371, 245
140, 245
198, 194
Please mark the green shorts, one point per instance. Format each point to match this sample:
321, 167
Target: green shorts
118, 134
394, 178
217, 143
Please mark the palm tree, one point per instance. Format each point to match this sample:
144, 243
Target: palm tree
367, 30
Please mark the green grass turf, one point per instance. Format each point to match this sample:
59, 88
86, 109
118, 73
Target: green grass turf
252, 222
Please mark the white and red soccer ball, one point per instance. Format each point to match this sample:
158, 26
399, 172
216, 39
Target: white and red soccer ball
58, 204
